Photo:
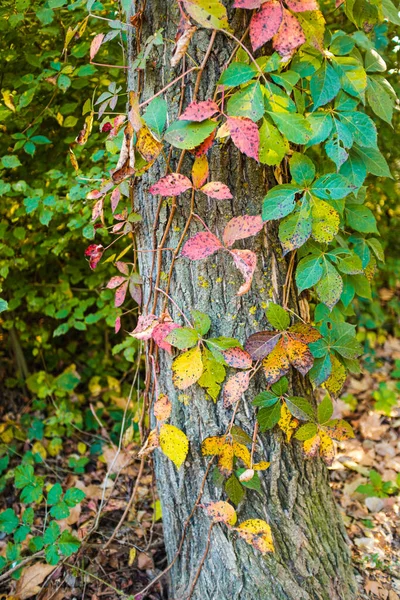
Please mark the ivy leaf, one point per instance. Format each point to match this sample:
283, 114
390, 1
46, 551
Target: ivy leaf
213, 374
260, 344
199, 111
380, 99
201, 321
293, 126
240, 228
182, 338
290, 35
324, 410
234, 490
302, 5
287, 423
354, 170
360, 218
201, 245
247, 4
325, 221
258, 534
246, 262
155, 115
200, 170
362, 128
171, 185
174, 444
236, 74
247, 102
187, 368
217, 190
279, 202
237, 358
245, 135
324, 85
306, 432
208, 13
321, 124
332, 186
54, 494
268, 417
273, 147
221, 512
187, 134
374, 162
353, 77
235, 387
265, 23
8, 521
300, 408
266, 399
295, 229
277, 316
302, 169
330, 287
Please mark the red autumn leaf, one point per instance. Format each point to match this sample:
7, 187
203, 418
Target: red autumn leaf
160, 332
171, 185
235, 387
117, 227
201, 245
246, 262
249, 4
290, 35
240, 228
218, 190
245, 135
200, 171
115, 198
106, 127
302, 5
122, 267
199, 111
237, 358
265, 23
117, 325
260, 344
204, 147
94, 252
115, 282
95, 45
120, 294
145, 327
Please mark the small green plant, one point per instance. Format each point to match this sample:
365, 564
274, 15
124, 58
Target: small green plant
377, 488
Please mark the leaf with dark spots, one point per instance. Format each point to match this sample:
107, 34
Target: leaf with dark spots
290, 35
237, 358
120, 294
199, 111
235, 387
260, 344
240, 228
249, 4
217, 190
245, 135
204, 147
171, 185
94, 252
265, 23
201, 245
302, 5
160, 332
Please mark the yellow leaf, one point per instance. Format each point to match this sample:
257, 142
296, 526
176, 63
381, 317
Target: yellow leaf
221, 512
287, 423
174, 444
225, 459
326, 448
148, 146
261, 466
311, 446
28, 584
38, 448
212, 445
325, 221
210, 13
132, 556
337, 378
240, 451
81, 448
200, 171
187, 368
8, 99
73, 159
257, 533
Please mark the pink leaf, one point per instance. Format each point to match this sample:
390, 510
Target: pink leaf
94, 194
120, 294
95, 45
122, 267
117, 227
145, 327
201, 245
246, 262
117, 325
216, 189
246, 4
135, 291
171, 185
240, 228
115, 198
265, 23
94, 252
245, 135
235, 387
160, 333
302, 5
199, 111
289, 36
97, 209
237, 358
115, 282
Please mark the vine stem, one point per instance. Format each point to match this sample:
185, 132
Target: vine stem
170, 84
175, 304
202, 561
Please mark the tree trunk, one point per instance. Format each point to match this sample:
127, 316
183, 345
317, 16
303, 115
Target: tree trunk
311, 558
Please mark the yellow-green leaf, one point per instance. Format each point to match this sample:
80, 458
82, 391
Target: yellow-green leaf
187, 368
325, 221
208, 13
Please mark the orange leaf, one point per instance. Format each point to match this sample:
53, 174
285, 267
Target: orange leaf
148, 146
304, 333
299, 355
162, 408
235, 387
200, 171
221, 512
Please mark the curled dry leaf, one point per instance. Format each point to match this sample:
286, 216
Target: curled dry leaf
265, 23
126, 163
184, 35
246, 262
171, 185
201, 245
199, 111
32, 577
240, 228
150, 444
83, 135
94, 252
245, 135
162, 408
247, 475
217, 190
235, 386
145, 327
221, 512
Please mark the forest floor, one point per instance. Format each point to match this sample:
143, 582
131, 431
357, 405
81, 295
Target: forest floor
122, 566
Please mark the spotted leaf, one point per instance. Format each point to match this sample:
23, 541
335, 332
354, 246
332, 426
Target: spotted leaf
221, 512
287, 423
160, 332
246, 262
237, 358
174, 444
245, 135
299, 355
235, 386
201, 245
217, 190
199, 111
257, 533
240, 228
302, 5
290, 35
260, 344
265, 23
162, 408
145, 327
276, 364
187, 368
171, 185
249, 4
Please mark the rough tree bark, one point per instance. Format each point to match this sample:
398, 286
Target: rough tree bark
312, 559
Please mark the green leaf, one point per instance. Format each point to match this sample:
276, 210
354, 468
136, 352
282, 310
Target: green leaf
325, 410
8, 521
376, 247
265, 399
302, 169
273, 147
374, 161
379, 98
330, 287
374, 62
306, 432
277, 316
390, 12
295, 229
309, 271
32, 493
321, 124
293, 126
360, 218
280, 387
324, 85
155, 115
236, 74
213, 374
354, 170
28, 516
21, 533
234, 490
3, 305
268, 417
353, 78
23, 475
59, 511
351, 265
341, 44
201, 321
362, 128
332, 186
188, 135
182, 338
40, 139
55, 493
10, 161
68, 544
247, 102
300, 408
253, 484
279, 202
